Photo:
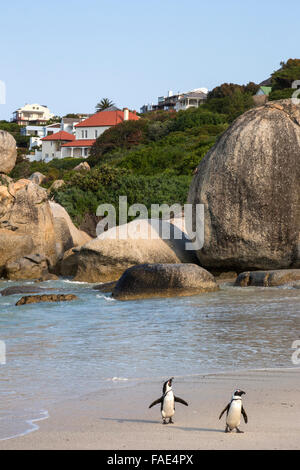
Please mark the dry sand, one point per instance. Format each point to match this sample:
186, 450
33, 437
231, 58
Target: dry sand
119, 419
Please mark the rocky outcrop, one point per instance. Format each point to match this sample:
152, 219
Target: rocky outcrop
37, 177
268, 278
34, 233
26, 223
83, 166
67, 235
13, 290
8, 152
163, 280
106, 286
105, 258
27, 267
33, 299
249, 183
57, 184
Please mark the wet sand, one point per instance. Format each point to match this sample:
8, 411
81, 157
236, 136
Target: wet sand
119, 419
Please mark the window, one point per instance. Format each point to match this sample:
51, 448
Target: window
96, 134
82, 134
86, 134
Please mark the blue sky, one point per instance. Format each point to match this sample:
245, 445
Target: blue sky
69, 54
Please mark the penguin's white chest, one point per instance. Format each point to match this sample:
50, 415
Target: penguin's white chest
234, 414
168, 406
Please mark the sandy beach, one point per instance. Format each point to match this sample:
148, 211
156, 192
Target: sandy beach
119, 418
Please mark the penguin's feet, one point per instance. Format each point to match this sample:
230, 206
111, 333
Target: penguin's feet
165, 422
227, 429
171, 421
239, 431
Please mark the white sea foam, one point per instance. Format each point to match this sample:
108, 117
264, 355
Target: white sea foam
117, 379
69, 281
32, 426
105, 297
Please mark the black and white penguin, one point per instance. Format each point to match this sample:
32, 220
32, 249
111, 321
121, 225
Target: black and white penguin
234, 410
167, 401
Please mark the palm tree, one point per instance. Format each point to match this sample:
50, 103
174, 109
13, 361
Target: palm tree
104, 104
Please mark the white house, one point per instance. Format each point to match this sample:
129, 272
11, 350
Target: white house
191, 99
34, 114
87, 131
36, 133
52, 145
178, 101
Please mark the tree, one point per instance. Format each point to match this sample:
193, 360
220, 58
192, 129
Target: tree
284, 77
104, 104
125, 135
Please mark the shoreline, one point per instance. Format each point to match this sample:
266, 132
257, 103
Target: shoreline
119, 418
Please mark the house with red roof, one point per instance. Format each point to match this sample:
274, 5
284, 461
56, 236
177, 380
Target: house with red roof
87, 131
52, 144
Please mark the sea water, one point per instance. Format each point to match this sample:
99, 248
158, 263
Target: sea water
67, 349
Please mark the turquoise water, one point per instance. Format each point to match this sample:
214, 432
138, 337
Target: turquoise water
60, 350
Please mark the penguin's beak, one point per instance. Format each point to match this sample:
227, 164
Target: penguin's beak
243, 393
170, 381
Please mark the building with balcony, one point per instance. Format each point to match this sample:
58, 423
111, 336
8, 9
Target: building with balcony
179, 101
32, 114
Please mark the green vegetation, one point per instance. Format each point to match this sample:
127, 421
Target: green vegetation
152, 160
104, 104
14, 129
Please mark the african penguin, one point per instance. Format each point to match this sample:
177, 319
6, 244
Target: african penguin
234, 410
167, 401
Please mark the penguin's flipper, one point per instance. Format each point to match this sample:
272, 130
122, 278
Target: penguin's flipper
156, 402
245, 415
180, 400
225, 409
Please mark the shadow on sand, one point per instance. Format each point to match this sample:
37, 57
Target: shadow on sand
148, 421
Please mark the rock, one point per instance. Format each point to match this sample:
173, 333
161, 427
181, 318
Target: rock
67, 234
5, 180
13, 245
89, 224
249, 183
105, 258
47, 277
26, 223
163, 280
8, 152
28, 267
30, 224
57, 184
33, 299
13, 290
37, 177
106, 286
268, 278
67, 237
69, 264
226, 275
83, 166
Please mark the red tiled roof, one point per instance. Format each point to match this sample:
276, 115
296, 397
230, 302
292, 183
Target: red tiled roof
80, 143
61, 135
106, 118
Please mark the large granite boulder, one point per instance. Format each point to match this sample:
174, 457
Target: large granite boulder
34, 232
249, 183
105, 258
27, 267
67, 235
163, 280
37, 177
8, 152
26, 223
